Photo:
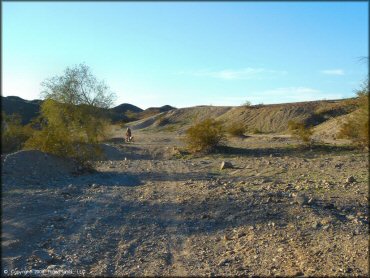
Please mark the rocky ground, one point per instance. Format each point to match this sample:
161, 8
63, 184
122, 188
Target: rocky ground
151, 210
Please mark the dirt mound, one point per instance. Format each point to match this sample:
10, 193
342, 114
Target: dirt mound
27, 167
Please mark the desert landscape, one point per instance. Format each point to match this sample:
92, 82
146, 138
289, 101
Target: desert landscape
149, 208
185, 139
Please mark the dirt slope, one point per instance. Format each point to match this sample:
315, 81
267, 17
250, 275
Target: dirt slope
265, 118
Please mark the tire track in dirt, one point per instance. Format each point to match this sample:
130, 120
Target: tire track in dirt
176, 235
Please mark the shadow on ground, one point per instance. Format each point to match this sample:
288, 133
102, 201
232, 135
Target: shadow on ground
294, 151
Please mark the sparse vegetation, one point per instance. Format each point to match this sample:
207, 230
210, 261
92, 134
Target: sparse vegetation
356, 127
13, 133
73, 124
247, 103
205, 136
237, 129
301, 131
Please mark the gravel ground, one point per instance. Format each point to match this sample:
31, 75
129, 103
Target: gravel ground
151, 210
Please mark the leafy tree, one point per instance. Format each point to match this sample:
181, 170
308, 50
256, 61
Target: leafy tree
71, 114
78, 86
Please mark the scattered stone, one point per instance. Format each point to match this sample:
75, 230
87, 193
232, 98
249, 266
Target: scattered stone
226, 165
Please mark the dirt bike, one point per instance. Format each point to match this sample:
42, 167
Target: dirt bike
129, 139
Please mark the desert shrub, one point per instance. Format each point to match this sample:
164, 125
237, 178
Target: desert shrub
73, 123
70, 131
356, 128
236, 129
205, 136
247, 103
13, 133
300, 131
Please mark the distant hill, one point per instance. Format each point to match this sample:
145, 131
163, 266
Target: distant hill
124, 107
27, 109
155, 110
125, 112
272, 118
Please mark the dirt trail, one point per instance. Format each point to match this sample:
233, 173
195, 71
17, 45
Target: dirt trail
279, 211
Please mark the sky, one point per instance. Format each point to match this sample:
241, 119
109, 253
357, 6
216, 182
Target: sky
190, 53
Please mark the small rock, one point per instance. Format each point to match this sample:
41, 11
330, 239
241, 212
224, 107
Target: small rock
350, 179
226, 165
315, 225
350, 217
224, 262
52, 267
325, 227
301, 199
310, 201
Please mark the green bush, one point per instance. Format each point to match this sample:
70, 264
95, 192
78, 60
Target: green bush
205, 136
356, 128
13, 134
70, 131
236, 129
300, 131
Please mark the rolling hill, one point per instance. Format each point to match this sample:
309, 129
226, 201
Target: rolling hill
125, 112
272, 118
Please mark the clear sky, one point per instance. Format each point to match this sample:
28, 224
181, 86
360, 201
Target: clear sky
186, 54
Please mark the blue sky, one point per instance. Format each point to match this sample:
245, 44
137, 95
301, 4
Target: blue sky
189, 53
